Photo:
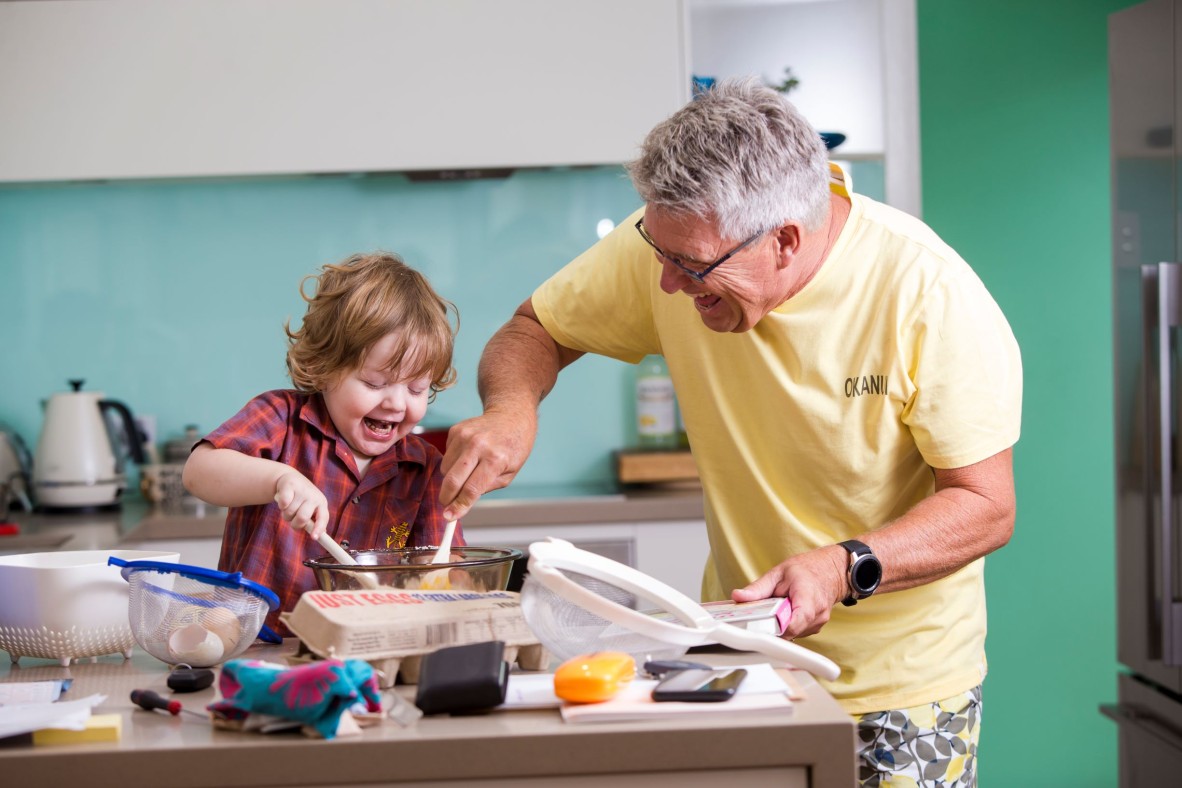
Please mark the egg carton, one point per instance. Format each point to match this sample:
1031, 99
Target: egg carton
393, 630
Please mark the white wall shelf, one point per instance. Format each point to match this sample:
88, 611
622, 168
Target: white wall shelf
857, 65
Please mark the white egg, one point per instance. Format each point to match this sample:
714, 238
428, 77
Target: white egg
195, 645
189, 614
223, 623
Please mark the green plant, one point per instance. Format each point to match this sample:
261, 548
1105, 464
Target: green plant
789, 82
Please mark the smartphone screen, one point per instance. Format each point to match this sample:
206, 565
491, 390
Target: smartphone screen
700, 685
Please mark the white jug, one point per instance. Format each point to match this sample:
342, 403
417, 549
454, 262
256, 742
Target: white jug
79, 457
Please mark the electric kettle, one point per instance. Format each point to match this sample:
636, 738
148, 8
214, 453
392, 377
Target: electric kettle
79, 457
16, 468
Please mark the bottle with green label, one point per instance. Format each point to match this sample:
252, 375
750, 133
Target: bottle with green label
656, 406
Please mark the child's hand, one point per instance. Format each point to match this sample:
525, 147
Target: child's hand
302, 504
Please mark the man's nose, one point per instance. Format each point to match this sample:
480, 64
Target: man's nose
673, 279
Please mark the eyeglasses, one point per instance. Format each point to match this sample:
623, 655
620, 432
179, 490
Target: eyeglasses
697, 275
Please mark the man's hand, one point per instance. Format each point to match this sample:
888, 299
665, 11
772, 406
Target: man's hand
813, 582
301, 503
484, 453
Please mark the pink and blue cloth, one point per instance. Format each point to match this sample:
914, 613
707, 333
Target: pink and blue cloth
316, 694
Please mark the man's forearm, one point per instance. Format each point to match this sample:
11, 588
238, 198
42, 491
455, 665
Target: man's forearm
970, 515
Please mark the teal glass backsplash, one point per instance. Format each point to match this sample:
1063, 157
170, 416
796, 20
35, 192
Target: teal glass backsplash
171, 295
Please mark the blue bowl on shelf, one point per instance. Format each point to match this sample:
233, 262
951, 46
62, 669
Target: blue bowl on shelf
832, 138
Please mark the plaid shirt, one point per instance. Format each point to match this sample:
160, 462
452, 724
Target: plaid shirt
396, 503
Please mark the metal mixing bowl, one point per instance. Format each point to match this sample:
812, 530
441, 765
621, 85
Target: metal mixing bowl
478, 569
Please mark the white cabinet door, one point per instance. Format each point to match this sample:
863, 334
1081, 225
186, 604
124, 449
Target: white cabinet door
140, 88
195, 552
672, 551
675, 553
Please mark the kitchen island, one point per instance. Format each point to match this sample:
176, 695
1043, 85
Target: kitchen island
810, 745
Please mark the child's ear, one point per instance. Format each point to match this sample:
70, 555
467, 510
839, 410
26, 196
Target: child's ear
334, 379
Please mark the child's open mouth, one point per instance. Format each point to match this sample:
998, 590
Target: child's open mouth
381, 429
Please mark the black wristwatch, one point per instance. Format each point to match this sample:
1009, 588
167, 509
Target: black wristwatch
864, 573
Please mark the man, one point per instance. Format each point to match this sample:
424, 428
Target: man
850, 390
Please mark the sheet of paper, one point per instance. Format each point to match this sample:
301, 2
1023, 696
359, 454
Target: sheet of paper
21, 718
531, 691
31, 691
761, 678
635, 703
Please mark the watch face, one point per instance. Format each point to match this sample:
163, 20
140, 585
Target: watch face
866, 574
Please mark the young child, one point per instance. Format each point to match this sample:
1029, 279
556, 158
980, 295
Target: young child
336, 454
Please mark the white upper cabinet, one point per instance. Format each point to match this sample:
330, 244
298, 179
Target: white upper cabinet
142, 88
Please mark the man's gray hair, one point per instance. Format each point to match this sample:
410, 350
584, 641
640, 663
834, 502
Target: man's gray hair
739, 155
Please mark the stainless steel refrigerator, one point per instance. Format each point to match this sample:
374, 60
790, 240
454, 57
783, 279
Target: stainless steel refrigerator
1145, 103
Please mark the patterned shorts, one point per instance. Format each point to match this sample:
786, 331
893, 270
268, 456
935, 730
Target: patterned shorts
927, 746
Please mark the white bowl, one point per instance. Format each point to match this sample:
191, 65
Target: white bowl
67, 605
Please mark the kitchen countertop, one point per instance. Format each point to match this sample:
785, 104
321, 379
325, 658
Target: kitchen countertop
813, 744
137, 520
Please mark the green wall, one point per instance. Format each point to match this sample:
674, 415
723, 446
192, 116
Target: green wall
171, 295
1014, 135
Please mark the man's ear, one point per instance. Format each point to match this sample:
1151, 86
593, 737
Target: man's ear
788, 240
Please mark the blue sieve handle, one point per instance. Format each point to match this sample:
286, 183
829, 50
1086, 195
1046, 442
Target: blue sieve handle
226, 579
268, 635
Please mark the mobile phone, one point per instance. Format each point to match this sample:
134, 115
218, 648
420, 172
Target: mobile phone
696, 685
659, 668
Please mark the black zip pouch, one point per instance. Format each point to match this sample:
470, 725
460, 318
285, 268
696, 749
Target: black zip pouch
463, 679
183, 678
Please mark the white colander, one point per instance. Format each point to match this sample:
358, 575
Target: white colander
66, 605
578, 602
193, 615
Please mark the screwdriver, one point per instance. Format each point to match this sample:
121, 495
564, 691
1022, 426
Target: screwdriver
146, 699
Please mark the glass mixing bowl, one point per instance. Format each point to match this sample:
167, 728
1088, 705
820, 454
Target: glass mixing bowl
471, 569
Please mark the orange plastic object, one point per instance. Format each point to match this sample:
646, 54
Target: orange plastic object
593, 678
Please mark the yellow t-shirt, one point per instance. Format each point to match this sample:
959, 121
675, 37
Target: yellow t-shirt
821, 423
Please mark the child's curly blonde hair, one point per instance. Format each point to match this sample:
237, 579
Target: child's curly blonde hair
358, 302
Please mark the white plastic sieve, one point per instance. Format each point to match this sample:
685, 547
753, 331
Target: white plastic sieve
578, 602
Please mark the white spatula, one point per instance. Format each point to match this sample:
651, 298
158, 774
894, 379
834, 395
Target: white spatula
340, 554
438, 578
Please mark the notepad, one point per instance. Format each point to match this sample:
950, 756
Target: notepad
764, 690
99, 727
635, 703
